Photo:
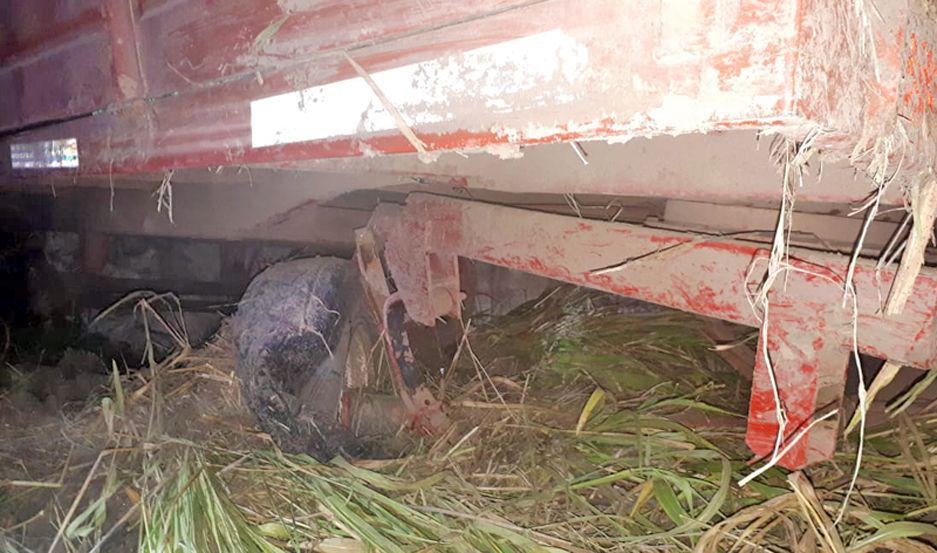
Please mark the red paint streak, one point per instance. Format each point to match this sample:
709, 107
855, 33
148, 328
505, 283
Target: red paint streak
762, 425
798, 373
731, 64
706, 301
759, 13
668, 240
607, 282
532, 265
921, 72
733, 247
752, 123
581, 227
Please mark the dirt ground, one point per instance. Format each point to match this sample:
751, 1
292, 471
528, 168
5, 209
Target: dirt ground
53, 428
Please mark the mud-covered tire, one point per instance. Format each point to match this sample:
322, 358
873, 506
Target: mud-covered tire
290, 357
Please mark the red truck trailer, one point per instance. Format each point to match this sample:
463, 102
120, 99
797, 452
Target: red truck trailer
764, 162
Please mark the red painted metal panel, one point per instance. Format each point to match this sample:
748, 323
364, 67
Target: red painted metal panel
552, 70
63, 59
810, 371
30, 27
126, 67
700, 274
55, 61
195, 42
487, 74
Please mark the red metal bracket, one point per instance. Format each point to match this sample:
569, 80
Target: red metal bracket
807, 341
809, 363
427, 279
424, 411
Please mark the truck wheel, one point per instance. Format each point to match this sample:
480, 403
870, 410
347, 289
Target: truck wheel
291, 333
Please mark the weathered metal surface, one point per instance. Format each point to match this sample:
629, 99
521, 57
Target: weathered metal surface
702, 274
725, 167
809, 362
489, 81
813, 230
810, 328
424, 413
55, 60
269, 82
128, 77
200, 42
114, 50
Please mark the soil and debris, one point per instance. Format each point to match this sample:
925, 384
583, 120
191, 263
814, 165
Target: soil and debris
580, 424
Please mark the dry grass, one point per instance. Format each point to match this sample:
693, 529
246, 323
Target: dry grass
580, 427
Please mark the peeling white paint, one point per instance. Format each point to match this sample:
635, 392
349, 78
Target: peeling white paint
680, 38
533, 71
504, 150
679, 113
620, 139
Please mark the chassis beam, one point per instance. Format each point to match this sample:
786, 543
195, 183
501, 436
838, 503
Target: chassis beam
810, 328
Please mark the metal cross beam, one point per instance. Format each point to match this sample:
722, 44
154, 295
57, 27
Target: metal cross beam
810, 327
